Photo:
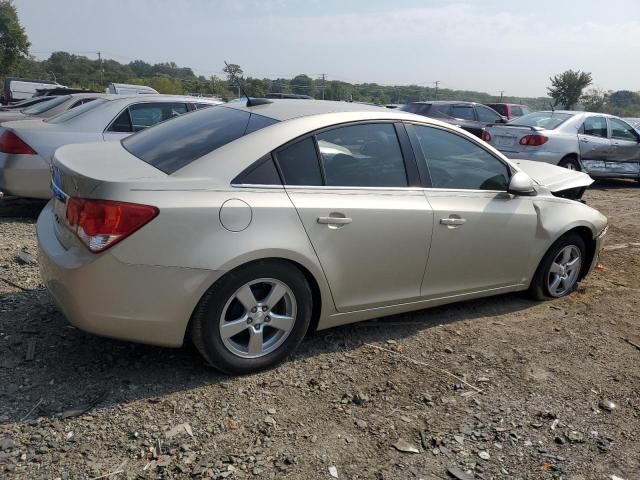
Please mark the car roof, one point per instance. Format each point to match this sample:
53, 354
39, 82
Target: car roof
281, 109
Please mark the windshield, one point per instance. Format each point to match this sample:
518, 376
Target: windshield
74, 112
546, 120
42, 107
174, 144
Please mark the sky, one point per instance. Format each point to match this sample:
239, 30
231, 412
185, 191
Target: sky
486, 45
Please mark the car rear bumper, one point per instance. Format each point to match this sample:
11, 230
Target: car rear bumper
24, 176
102, 295
535, 155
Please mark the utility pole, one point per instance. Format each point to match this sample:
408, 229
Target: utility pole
501, 95
101, 69
436, 83
324, 76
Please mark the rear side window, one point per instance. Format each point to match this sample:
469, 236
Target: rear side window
462, 111
362, 156
298, 163
75, 112
595, 126
173, 145
455, 162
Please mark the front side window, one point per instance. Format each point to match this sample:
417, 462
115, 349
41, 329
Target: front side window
622, 131
455, 162
486, 114
464, 112
595, 126
362, 156
145, 115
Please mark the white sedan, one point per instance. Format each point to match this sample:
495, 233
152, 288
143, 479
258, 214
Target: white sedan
27, 146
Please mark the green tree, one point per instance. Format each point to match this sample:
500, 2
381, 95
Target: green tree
595, 100
233, 72
566, 88
302, 84
14, 44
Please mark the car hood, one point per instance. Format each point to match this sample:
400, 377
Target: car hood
555, 178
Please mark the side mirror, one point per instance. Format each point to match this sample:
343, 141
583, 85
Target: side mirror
502, 120
521, 184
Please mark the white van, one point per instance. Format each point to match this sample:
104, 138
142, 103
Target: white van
16, 88
127, 89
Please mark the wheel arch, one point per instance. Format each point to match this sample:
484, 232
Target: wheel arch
587, 235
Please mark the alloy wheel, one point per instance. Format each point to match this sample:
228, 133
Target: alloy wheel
564, 271
258, 318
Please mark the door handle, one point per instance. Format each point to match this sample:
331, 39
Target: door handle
334, 220
453, 221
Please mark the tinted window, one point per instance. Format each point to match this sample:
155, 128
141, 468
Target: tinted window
622, 131
455, 162
263, 172
73, 113
299, 163
362, 156
462, 111
486, 115
547, 120
44, 106
172, 145
595, 126
122, 123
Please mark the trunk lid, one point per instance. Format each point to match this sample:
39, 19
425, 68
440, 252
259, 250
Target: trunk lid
506, 138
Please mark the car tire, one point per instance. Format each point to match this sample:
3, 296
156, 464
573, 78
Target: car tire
571, 163
556, 277
259, 345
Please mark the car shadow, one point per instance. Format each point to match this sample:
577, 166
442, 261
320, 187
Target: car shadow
49, 368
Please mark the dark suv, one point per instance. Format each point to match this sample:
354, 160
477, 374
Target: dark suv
471, 116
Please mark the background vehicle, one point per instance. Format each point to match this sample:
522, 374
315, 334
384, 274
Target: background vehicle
127, 89
599, 144
16, 88
240, 223
27, 146
510, 110
51, 107
24, 103
472, 117
47, 92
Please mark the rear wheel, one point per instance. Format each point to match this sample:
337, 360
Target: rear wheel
253, 317
570, 163
560, 269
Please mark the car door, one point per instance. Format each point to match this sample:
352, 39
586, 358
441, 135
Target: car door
594, 142
482, 235
139, 116
625, 141
368, 223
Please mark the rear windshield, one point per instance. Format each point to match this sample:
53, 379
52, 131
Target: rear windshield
546, 120
501, 109
44, 106
74, 112
171, 145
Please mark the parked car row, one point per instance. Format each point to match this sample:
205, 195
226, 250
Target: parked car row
27, 146
247, 224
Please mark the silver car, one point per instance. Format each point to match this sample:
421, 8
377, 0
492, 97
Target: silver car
50, 107
27, 146
245, 226
599, 144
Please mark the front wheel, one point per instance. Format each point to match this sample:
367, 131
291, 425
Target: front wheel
253, 317
560, 269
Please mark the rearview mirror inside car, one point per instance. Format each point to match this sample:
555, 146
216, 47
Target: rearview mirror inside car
521, 184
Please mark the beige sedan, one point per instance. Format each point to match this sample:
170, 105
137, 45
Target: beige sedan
247, 225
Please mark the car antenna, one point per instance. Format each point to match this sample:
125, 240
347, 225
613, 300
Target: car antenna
251, 102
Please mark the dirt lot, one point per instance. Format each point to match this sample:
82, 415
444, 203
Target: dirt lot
73, 406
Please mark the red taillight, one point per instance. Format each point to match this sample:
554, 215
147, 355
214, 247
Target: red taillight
486, 136
11, 143
533, 140
100, 224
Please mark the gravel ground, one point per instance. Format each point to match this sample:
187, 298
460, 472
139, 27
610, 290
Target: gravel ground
498, 388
